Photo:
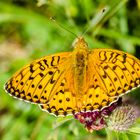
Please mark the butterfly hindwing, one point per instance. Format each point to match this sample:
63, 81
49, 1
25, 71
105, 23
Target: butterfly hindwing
62, 103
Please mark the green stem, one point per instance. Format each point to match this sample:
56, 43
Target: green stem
109, 134
37, 126
117, 135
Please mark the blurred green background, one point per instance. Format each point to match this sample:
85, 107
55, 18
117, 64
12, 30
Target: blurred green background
27, 33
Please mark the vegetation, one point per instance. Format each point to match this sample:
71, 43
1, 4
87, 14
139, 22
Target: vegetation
27, 33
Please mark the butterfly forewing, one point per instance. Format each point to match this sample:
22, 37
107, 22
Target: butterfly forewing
118, 72
36, 81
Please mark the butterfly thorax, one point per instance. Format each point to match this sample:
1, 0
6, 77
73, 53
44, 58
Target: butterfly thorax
80, 56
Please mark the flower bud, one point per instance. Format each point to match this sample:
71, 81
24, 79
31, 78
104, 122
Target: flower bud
122, 117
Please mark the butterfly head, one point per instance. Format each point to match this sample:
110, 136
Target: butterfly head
80, 43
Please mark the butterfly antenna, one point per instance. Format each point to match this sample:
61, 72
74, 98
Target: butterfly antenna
61, 26
95, 21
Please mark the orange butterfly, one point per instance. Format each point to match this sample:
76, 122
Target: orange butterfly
82, 80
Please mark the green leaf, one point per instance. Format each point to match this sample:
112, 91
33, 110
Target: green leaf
134, 130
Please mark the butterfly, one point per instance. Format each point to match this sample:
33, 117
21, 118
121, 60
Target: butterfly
79, 81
